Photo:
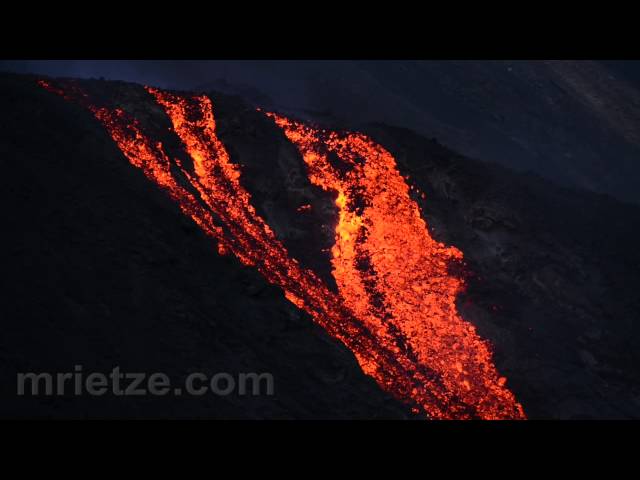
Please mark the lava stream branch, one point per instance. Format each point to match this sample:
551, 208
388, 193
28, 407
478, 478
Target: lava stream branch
395, 306
406, 268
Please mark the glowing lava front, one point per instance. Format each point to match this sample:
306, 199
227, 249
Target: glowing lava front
395, 307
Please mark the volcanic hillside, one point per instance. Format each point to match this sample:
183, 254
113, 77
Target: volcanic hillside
375, 274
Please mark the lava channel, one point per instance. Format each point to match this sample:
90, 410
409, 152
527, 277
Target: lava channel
395, 305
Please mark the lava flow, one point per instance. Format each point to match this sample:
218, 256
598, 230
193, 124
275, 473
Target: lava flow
392, 273
395, 306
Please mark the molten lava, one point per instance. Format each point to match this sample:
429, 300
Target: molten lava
393, 275
395, 305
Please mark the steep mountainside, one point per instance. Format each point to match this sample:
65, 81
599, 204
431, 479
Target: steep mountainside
575, 122
102, 269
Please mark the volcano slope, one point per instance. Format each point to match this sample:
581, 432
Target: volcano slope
102, 269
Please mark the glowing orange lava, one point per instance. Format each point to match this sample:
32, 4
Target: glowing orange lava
395, 308
393, 275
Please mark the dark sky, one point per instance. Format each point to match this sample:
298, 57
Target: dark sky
287, 82
184, 74
162, 73
178, 74
270, 76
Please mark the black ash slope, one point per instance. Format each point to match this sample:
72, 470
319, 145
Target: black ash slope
101, 269
554, 276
